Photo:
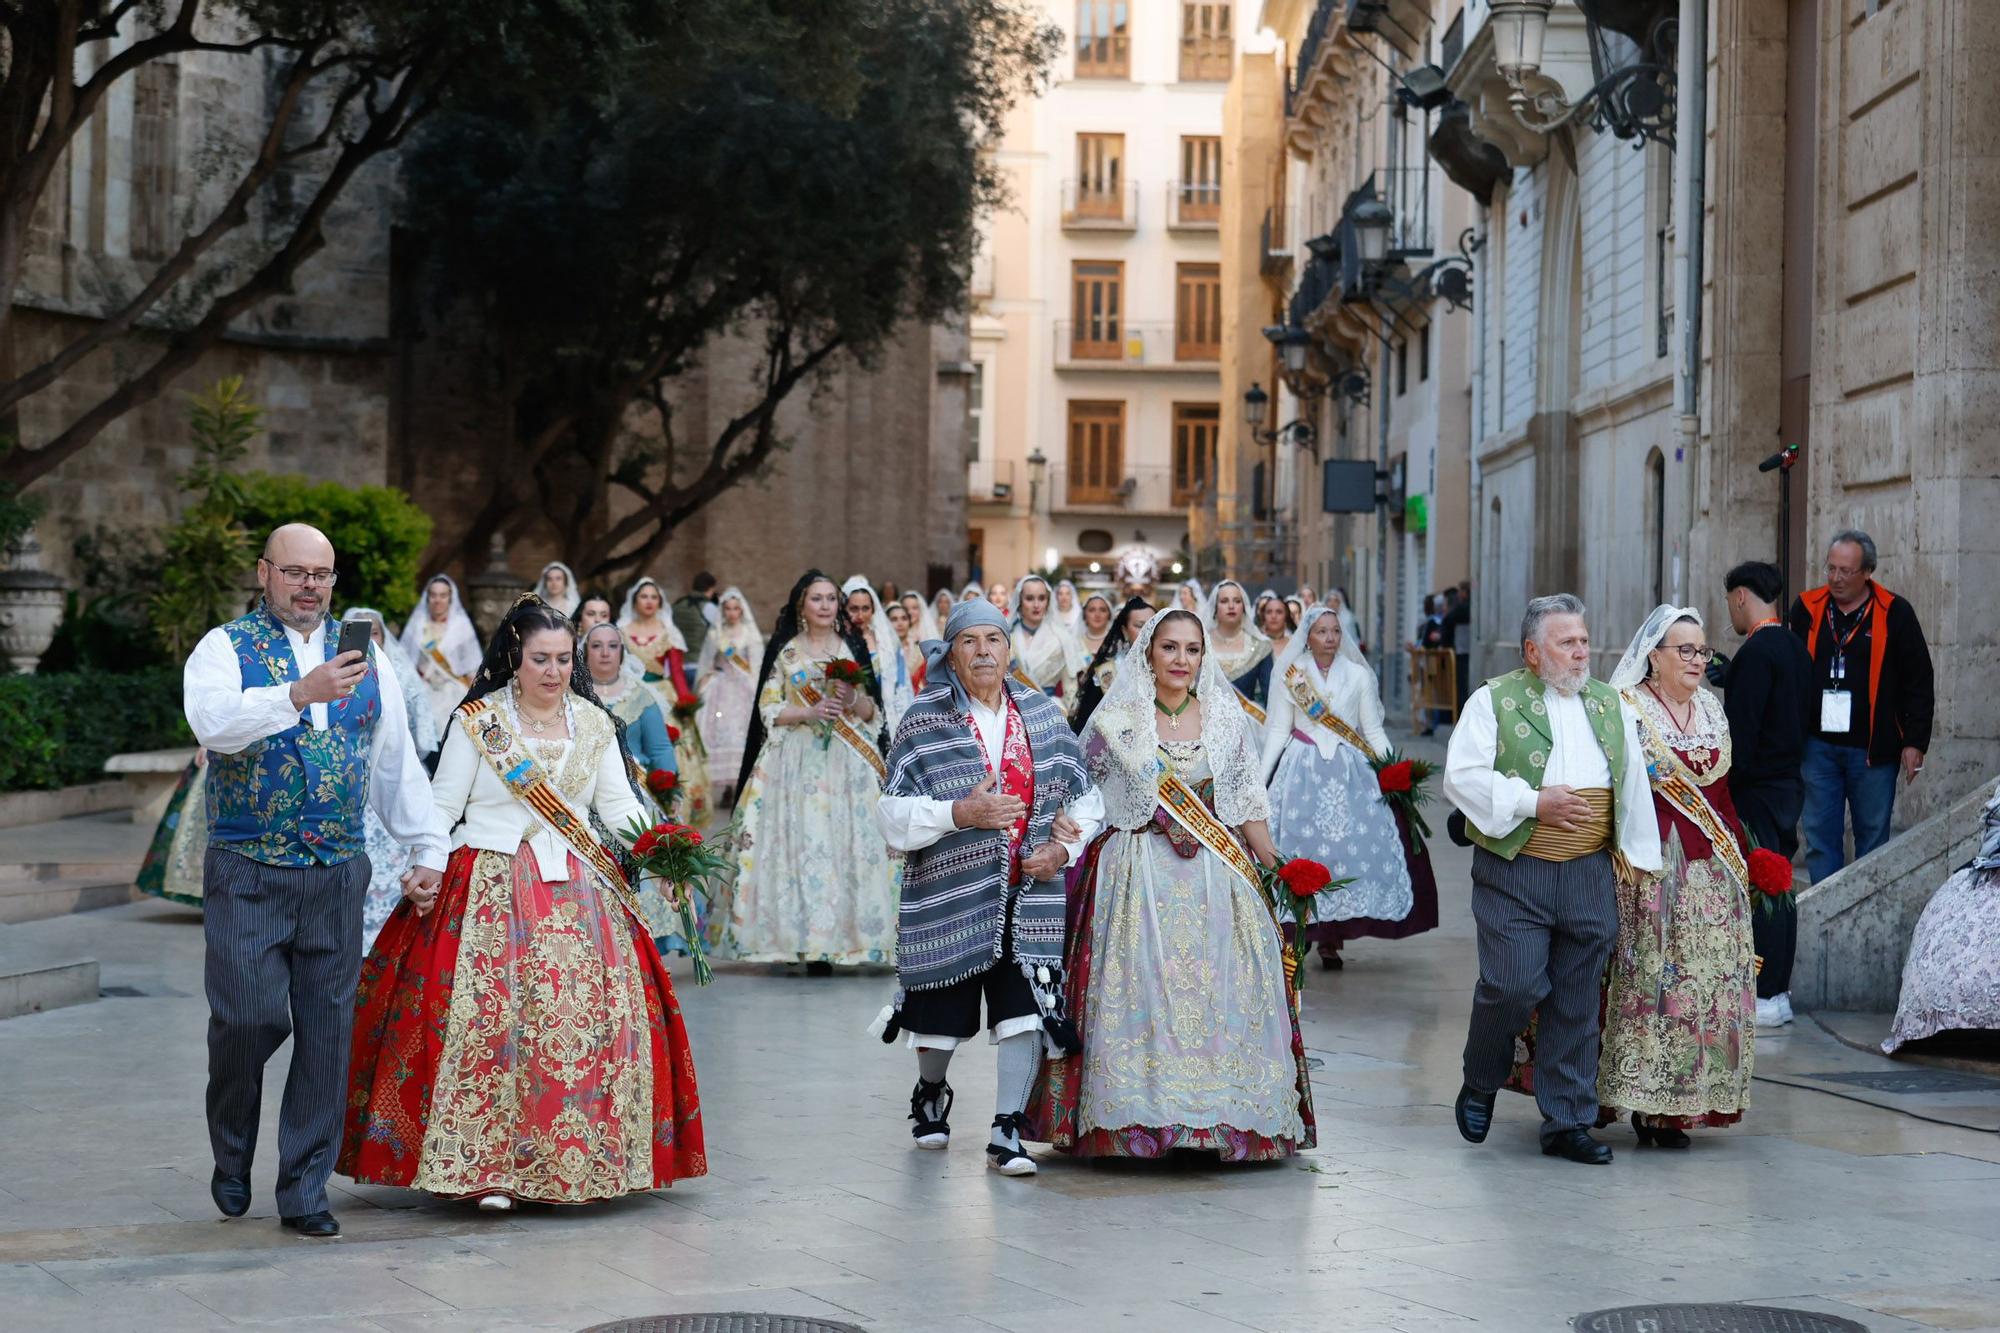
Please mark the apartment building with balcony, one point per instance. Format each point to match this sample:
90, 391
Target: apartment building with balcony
1350, 272
1097, 325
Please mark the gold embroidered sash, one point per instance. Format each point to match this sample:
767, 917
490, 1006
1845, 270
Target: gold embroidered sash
523, 776
1179, 800
737, 659
1250, 706
844, 729
437, 655
1549, 843
1315, 707
1685, 795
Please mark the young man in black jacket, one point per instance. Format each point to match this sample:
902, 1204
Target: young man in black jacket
1768, 696
1874, 697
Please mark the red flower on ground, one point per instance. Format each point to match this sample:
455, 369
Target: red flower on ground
1303, 877
662, 779
1394, 777
1770, 872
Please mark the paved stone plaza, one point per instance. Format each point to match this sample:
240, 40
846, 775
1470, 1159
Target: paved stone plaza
815, 1204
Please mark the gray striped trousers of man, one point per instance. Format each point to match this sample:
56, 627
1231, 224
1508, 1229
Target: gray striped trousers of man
284, 953
1546, 929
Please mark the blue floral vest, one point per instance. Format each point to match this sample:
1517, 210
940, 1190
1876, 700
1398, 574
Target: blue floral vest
296, 798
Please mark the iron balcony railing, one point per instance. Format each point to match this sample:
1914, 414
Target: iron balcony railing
1118, 344
1090, 206
1194, 205
1140, 489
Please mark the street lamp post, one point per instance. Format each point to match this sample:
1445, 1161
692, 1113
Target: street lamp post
1038, 467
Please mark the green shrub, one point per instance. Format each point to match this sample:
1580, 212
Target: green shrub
378, 534
61, 728
207, 550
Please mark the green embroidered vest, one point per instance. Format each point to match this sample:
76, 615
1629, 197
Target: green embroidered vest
1523, 715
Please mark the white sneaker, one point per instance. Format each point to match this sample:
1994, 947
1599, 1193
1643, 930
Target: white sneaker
1770, 1016
496, 1203
1784, 1006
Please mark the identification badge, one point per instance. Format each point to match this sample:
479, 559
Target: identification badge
1836, 712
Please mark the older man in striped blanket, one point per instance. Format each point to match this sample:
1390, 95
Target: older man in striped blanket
988, 797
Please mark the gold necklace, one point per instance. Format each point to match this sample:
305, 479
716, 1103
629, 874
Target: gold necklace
535, 724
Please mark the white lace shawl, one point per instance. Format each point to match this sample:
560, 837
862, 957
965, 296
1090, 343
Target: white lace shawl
1125, 749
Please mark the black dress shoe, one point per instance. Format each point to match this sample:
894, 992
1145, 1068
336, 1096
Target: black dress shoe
231, 1193
1474, 1110
317, 1225
819, 969
1577, 1146
1658, 1136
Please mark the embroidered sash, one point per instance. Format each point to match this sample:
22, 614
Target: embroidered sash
1250, 707
1020, 673
736, 659
437, 655
1313, 706
1179, 800
1673, 781
844, 729
524, 777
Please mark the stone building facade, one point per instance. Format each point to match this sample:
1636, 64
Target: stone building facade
364, 381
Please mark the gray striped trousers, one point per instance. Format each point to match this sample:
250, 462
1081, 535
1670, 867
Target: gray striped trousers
284, 952
1546, 929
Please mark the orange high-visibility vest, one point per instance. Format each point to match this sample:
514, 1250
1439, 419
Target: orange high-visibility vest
1816, 601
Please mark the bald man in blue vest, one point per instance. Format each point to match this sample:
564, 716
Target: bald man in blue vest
300, 742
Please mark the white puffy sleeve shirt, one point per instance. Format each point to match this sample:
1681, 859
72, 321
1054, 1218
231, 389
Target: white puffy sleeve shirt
1349, 689
495, 820
227, 719
1495, 804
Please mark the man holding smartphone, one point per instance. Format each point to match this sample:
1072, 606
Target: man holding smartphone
299, 743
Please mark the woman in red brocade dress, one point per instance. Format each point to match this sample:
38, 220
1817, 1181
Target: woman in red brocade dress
517, 1036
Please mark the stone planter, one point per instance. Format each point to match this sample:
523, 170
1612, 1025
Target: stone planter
493, 590
31, 606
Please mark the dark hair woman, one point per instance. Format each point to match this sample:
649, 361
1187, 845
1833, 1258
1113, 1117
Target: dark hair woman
546, 923
1103, 668
814, 881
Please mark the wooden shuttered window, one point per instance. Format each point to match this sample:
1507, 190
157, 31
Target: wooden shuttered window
1103, 39
1196, 426
1205, 43
1097, 309
1096, 451
1197, 312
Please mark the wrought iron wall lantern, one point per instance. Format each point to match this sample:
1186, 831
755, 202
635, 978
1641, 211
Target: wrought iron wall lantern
1448, 279
1631, 56
1255, 403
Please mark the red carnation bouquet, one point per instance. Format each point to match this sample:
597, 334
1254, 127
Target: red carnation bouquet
1291, 887
677, 854
839, 671
1770, 878
1404, 785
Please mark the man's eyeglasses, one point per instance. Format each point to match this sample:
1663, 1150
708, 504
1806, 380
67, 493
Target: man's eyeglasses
1695, 652
324, 578
1836, 572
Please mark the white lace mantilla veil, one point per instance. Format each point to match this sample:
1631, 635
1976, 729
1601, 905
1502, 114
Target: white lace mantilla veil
927, 623
629, 613
457, 624
1200, 598
1072, 620
571, 599
1250, 630
744, 635
972, 590
1298, 647
885, 633
1051, 626
1130, 780
1632, 667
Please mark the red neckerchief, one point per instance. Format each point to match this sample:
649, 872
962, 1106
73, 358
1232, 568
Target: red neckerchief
1017, 772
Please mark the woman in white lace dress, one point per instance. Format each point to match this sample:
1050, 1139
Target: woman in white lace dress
1175, 966
1951, 980
1323, 730
727, 683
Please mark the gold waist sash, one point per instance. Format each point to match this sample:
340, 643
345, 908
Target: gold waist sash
1549, 843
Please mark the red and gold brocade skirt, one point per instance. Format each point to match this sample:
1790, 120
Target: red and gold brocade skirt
522, 1039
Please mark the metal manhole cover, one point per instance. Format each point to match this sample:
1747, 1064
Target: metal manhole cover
1912, 1082
734, 1322
1712, 1319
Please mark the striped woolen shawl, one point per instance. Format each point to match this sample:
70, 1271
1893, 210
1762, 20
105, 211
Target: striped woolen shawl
955, 891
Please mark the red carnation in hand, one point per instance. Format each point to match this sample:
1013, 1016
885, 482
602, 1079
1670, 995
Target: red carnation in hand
1303, 877
1394, 777
644, 844
662, 780
1770, 872
673, 733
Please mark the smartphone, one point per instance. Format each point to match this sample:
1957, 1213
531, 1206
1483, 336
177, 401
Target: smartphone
355, 636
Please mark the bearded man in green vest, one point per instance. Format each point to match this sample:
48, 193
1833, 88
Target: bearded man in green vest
1545, 765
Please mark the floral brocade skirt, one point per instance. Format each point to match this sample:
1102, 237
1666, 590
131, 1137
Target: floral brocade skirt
522, 1039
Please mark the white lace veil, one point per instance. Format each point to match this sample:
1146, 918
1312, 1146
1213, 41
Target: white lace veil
744, 636
1632, 667
1072, 619
1049, 636
459, 642
1124, 720
1299, 648
1200, 598
629, 612
1250, 630
571, 597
